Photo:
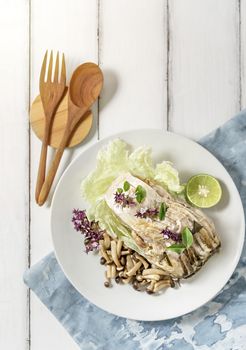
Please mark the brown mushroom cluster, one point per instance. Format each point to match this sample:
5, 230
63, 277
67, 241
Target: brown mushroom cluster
126, 266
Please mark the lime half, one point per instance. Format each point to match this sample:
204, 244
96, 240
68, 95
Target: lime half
204, 191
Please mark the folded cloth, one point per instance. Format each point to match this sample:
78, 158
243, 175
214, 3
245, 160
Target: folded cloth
220, 324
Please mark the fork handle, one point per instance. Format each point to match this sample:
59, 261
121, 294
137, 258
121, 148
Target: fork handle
53, 169
42, 161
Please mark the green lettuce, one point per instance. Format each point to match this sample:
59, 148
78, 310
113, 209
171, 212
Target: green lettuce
115, 159
112, 224
108, 220
141, 163
167, 176
111, 161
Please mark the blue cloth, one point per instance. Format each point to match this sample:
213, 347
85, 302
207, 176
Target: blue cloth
220, 324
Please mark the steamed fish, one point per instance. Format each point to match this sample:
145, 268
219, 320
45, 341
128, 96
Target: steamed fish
156, 220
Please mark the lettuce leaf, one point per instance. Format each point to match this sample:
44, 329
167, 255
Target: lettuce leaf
167, 176
109, 221
112, 224
141, 163
115, 159
111, 161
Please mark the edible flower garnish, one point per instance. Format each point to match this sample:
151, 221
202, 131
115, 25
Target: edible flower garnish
172, 235
90, 229
148, 213
123, 200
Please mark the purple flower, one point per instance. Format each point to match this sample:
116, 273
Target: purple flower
90, 229
148, 213
172, 235
123, 200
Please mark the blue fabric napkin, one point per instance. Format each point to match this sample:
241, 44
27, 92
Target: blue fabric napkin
220, 324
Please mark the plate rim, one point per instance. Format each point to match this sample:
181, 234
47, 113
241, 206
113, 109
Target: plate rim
120, 135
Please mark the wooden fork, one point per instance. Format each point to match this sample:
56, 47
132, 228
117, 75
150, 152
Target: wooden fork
51, 92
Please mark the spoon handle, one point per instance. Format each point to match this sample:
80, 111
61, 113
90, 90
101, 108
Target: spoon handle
53, 169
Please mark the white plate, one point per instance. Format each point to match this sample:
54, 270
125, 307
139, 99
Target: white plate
86, 273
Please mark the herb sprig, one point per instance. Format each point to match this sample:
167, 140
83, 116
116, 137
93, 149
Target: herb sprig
140, 193
162, 211
187, 240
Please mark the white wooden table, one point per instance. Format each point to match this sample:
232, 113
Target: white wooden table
177, 65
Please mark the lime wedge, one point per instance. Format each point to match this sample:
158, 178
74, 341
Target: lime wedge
204, 191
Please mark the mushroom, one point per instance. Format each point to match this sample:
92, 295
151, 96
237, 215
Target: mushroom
152, 277
122, 260
143, 283
113, 271
125, 252
129, 263
126, 280
105, 255
106, 240
152, 271
119, 247
122, 274
114, 256
139, 278
107, 283
134, 269
150, 288
144, 262
108, 272
135, 285
161, 285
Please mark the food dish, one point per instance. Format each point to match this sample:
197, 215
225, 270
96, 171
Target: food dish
143, 206
175, 152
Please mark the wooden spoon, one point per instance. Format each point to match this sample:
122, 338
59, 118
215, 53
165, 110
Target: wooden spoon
85, 87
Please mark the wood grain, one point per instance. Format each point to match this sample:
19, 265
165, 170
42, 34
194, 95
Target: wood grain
77, 38
59, 123
204, 74
52, 89
133, 56
14, 177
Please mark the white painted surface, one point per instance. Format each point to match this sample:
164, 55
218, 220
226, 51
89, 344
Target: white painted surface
204, 64
197, 41
14, 171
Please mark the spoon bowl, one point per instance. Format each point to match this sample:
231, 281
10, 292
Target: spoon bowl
85, 85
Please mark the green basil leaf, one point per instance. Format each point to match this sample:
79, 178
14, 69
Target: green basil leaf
162, 211
140, 193
119, 190
177, 248
126, 186
187, 237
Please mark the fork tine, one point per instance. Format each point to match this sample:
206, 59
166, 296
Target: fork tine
49, 76
56, 68
63, 71
43, 68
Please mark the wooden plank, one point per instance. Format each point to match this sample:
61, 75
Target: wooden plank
133, 52
243, 51
204, 86
70, 27
14, 179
